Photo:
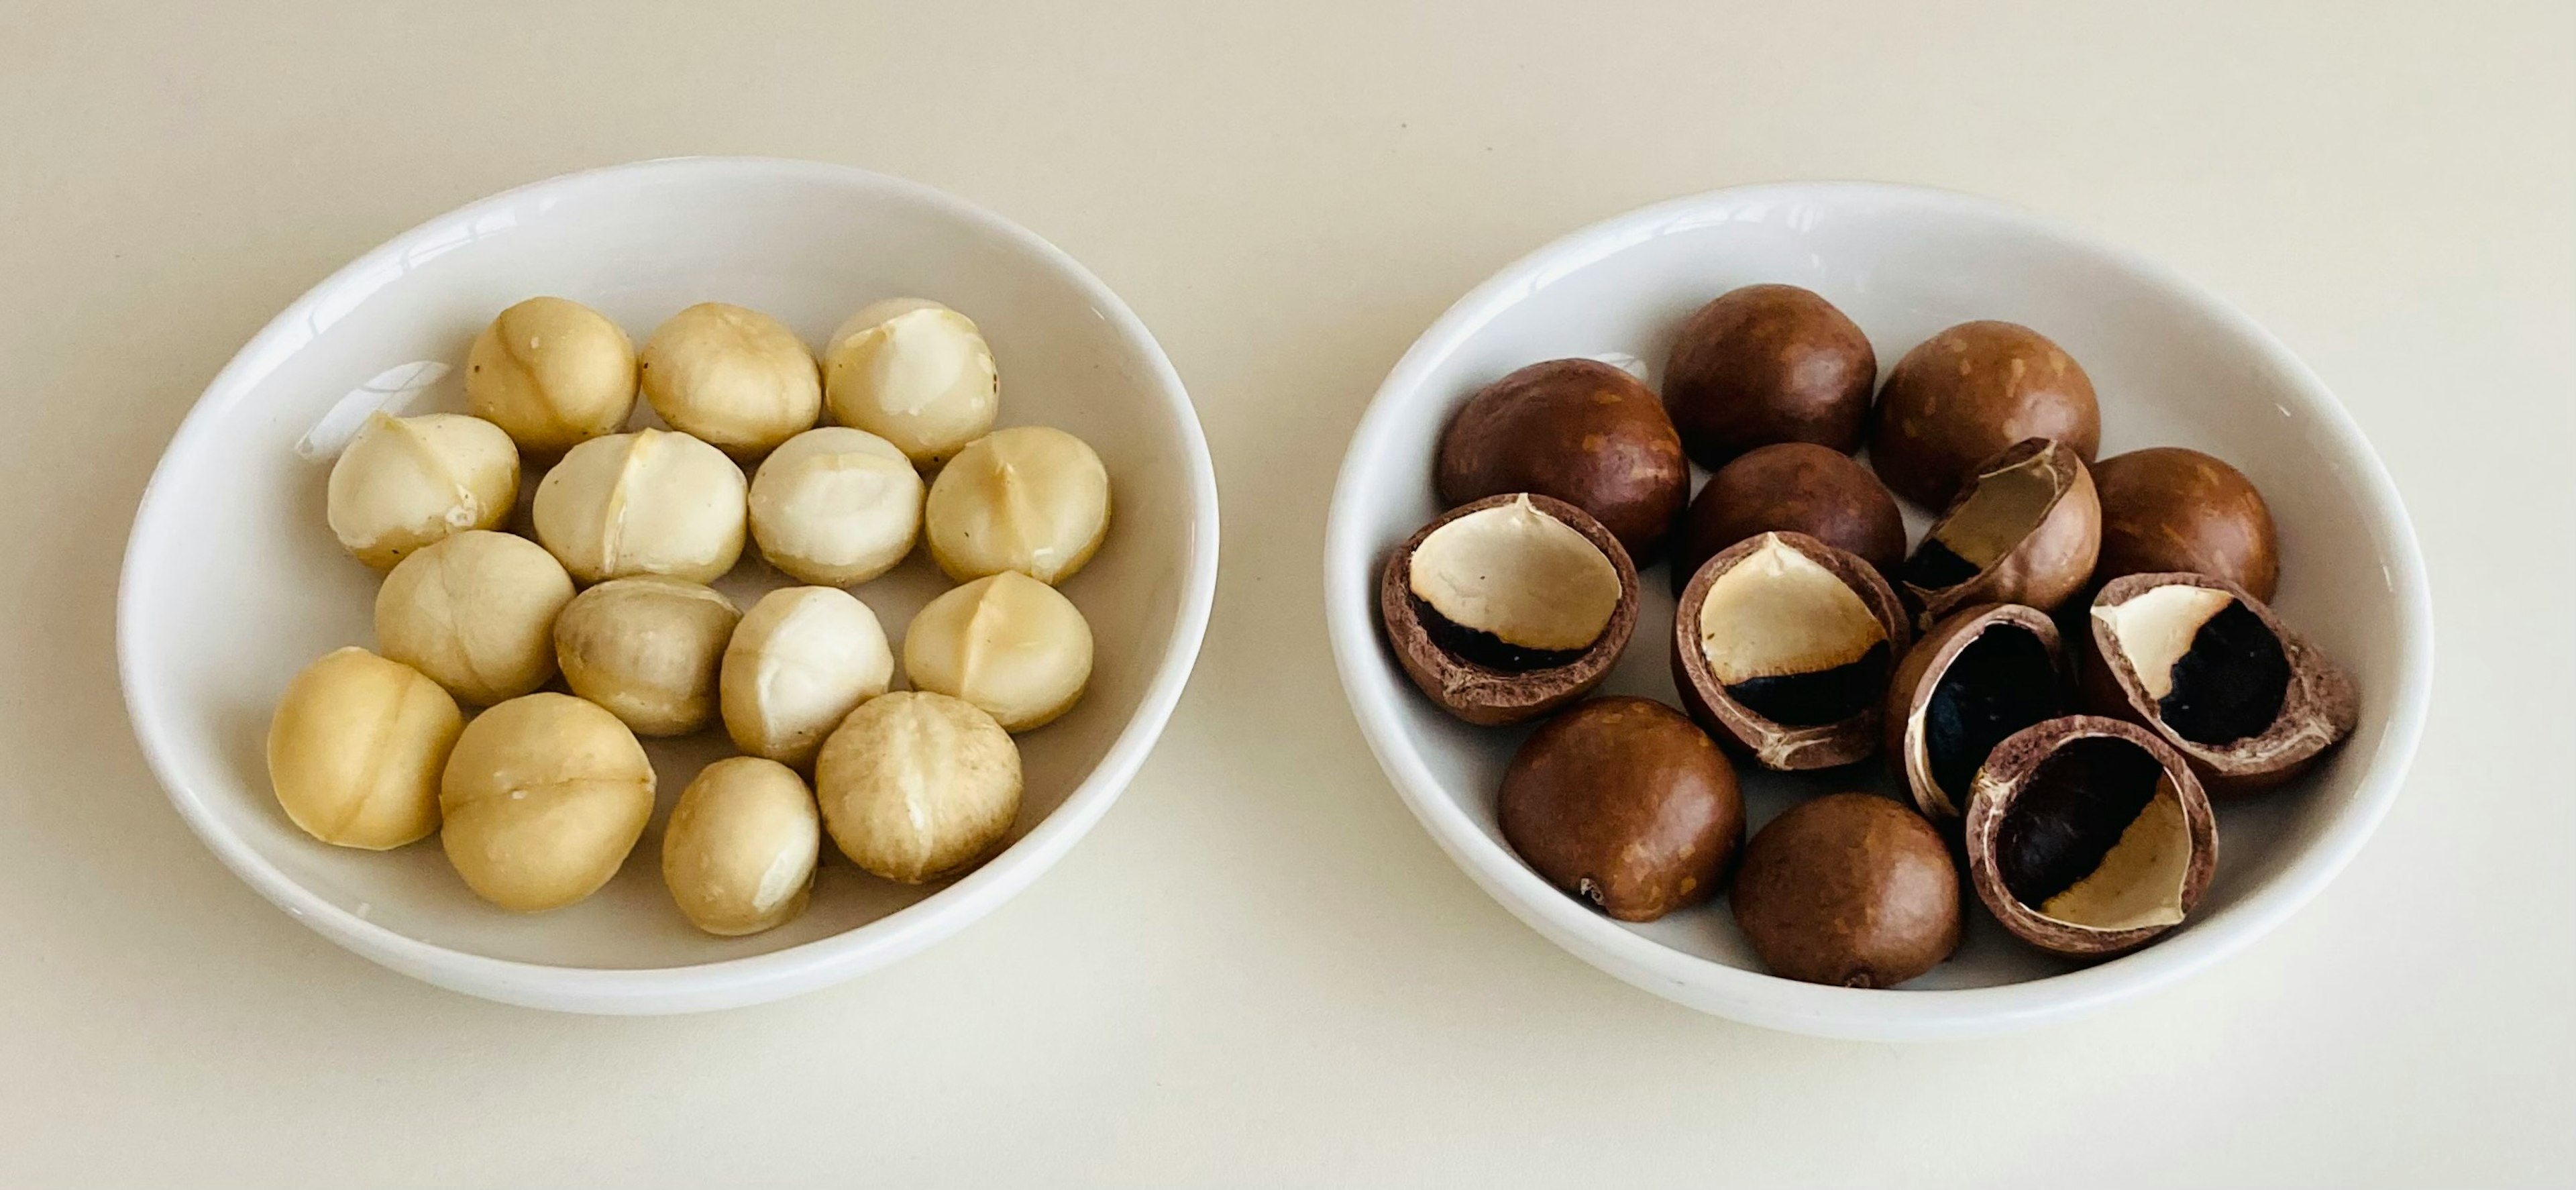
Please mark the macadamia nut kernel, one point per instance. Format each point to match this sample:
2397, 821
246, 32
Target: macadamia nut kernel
647, 649
475, 612
649, 502
735, 378
914, 372
836, 506
1013, 646
915, 786
543, 796
738, 854
355, 750
801, 659
1029, 498
553, 373
405, 482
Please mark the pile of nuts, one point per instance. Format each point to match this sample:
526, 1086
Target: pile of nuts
2072, 783
539, 798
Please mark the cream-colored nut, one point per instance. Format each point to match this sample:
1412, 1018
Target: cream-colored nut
553, 373
915, 373
647, 648
916, 786
544, 796
836, 506
800, 660
405, 482
738, 854
1007, 643
650, 502
1029, 498
476, 613
737, 378
355, 750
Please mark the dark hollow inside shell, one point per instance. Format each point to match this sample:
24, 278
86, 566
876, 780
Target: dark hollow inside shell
2071, 813
2231, 683
1479, 647
1818, 697
1935, 566
2000, 683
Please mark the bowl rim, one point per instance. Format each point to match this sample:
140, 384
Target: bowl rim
725, 982
1767, 1000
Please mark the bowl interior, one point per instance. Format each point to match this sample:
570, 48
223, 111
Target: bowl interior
2171, 367
234, 581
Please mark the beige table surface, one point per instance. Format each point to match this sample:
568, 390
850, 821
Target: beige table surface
1258, 970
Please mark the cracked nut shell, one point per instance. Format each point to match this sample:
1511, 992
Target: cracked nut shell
1533, 619
2213, 672
1766, 364
2026, 529
2167, 508
1793, 487
1975, 678
1972, 390
1624, 803
2088, 837
1578, 430
1849, 889
1782, 647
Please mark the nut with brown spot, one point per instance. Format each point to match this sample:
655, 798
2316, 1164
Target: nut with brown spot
1969, 392
2167, 508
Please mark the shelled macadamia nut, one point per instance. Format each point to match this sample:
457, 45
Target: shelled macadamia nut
800, 661
1011, 645
737, 379
647, 648
738, 854
915, 785
355, 750
915, 373
1029, 498
475, 612
553, 373
650, 502
405, 482
836, 506
543, 795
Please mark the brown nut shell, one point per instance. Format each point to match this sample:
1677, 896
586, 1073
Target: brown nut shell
2088, 837
2026, 530
2168, 508
1970, 391
1833, 671
1578, 430
2240, 654
1795, 487
1428, 646
1849, 889
1625, 803
1973, 680
1765, 364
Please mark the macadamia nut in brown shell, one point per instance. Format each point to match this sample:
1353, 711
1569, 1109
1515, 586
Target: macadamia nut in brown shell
1508, 608
1626, 804
543, 797
1975, 678
916, 786
738, 854
736, 379
650, 502
648, 649
836, 506
1792, 487
475, 613
1575, 429
2087, 837
1013, 646
2166, 508
1766, 364
355, 750
1848, 889
553, 373
1967, 393
2026, 529
1782, 646
2216, 675
1030, 498
405, 482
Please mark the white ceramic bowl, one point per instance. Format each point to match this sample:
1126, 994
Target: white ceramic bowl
2173, 365
232, 582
